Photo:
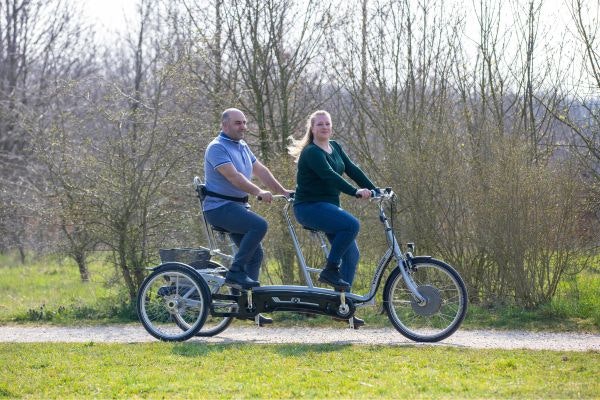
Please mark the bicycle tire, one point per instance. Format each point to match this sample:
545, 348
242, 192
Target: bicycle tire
213, 324
173, 292
446, 304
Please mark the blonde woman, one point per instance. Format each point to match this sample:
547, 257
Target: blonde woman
321, 163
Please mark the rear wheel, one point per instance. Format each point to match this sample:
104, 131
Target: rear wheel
173, 303
445, 303
214, 324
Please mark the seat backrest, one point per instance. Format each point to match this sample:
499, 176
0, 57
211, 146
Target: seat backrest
201, 191
200, 188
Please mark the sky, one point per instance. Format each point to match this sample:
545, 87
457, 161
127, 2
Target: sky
108, 16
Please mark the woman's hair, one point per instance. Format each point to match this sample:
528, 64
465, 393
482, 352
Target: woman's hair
298, 145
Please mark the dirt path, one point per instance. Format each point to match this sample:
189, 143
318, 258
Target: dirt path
480, 339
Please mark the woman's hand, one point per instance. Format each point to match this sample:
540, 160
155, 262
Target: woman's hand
363, 194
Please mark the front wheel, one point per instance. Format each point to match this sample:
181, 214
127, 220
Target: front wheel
445, 303
173, 302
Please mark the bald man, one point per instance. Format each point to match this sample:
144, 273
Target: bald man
229, 165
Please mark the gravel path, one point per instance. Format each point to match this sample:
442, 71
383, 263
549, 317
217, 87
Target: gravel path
479, 339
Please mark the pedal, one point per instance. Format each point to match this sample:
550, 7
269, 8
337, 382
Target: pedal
343, 309
234, 285
220, 296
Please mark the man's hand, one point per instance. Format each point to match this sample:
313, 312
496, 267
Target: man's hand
265, 196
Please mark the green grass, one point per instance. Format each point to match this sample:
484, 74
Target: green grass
49, 291
197, 370
575, 307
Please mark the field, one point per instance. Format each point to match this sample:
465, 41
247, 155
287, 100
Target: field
49, 291
196, 370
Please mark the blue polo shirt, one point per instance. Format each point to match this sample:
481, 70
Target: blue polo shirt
223, 150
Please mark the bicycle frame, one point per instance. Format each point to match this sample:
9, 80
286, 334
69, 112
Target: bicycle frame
393, 250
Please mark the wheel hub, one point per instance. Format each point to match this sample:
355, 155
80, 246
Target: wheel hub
433, 301
172, 304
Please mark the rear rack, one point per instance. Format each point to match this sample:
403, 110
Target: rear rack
194, 257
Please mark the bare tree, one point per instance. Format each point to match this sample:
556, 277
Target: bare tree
41, 44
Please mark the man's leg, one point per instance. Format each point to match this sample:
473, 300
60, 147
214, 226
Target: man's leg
252, 267
247, 230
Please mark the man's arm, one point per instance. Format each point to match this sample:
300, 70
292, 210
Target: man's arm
267, 178
239, 180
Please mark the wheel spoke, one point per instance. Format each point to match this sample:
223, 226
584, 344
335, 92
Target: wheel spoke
172, 303
443, 310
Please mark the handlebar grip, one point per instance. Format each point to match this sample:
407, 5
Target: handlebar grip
275, 196
373, 194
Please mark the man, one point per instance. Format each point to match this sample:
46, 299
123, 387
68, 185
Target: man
229, 165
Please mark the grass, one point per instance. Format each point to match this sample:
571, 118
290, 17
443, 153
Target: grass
49, 291
197, 370
575, 307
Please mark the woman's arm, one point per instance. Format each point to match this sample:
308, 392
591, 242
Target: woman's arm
352, 170
316, 160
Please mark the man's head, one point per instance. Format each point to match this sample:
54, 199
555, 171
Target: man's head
233, 123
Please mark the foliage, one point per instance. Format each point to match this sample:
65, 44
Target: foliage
50, 291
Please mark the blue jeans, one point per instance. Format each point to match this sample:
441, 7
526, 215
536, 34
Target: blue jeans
341, 229
247, 229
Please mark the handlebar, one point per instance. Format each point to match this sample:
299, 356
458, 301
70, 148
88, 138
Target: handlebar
379, 193
279, 196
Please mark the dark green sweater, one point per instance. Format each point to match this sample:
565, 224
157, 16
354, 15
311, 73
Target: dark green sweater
319, 175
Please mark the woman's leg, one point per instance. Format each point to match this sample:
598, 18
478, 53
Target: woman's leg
349, 260
341, 228
332, 220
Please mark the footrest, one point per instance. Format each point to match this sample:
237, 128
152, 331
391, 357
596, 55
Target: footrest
219, 296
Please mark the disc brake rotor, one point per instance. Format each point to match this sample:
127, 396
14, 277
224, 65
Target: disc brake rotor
433, 301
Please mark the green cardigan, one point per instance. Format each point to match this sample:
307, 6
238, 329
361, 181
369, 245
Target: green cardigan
319, 176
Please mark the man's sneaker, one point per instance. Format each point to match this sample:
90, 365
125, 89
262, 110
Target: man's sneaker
240, 280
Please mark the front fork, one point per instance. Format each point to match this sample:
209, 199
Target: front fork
404, 263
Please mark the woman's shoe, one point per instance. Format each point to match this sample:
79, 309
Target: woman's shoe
331, 276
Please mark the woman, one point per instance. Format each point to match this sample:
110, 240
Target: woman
321, 163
